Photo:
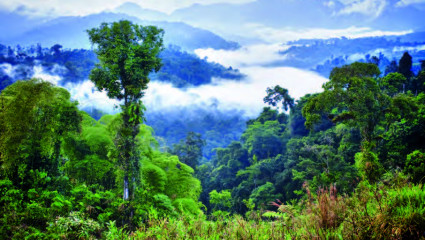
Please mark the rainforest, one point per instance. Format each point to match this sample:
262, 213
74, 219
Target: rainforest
139, 123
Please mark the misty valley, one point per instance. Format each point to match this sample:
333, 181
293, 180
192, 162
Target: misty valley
136, 120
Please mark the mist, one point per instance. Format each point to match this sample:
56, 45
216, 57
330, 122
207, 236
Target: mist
223, 95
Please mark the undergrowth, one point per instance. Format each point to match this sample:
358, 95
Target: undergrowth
393, 209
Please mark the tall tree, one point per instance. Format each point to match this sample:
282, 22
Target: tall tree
127, 54
353, 96
405, 65
189, 151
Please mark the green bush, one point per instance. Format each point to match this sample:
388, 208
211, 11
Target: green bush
74, 226
415, 166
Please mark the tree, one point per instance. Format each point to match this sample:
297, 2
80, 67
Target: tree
279, 94
127, 54
352, 96
190, 150
405, 65
415, 166
393, 83
35, 117
391, 68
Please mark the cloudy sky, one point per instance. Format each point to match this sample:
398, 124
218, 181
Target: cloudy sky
251, 59
84, 7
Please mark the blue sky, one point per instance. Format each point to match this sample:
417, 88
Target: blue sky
84, 7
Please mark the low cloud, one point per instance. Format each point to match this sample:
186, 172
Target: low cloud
259, 54
222, 95
225, 95
89, 98
40, 73
409, 49
278, 35
6, 68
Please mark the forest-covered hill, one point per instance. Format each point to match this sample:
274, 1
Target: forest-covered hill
70, 67
345, 162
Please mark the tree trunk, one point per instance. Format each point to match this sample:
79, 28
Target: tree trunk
126, 193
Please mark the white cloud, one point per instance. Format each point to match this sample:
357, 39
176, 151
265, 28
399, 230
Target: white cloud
403, 3
223, 95
250, 55
409, 49
7, 68
88, 97
40, 73
227, 95
276, 35
372, 8
85, 7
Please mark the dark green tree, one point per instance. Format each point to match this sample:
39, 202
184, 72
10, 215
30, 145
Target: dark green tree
127, 54
405, 65
415, 166
393, 83
393, 67
189, 150
352, 96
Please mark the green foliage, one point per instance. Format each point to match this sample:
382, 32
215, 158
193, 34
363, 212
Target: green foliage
75, 226
34, 118
63, 172
368, 165
180, 182
190, 150
415, 166
221, 200
154, 177
187, 206
394, 83
352, 96
264, 194
263, 140
89, 153
114, 233
127, 52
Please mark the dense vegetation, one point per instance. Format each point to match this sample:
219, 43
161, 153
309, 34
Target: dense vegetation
346, 163
322, 56
179, 68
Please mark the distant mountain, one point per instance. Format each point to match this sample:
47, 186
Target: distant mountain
70, 32
273, 13
228, 19
13, 24
322, 55
132, 9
